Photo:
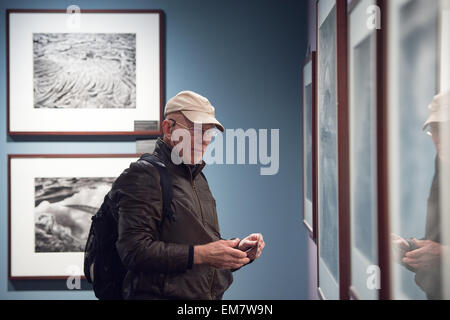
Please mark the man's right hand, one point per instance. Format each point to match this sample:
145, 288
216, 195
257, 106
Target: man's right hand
399, 247
221, 254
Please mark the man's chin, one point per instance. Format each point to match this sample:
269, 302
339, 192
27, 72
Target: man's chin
193, 160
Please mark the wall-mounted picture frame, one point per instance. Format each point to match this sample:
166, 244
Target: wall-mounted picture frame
100, 72
309, 144
412, 43
362, 104
51, 201
332, 150
444, 85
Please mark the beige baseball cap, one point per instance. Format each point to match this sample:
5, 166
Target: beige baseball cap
439, 109
195, 107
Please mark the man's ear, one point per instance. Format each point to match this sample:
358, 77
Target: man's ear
166, 127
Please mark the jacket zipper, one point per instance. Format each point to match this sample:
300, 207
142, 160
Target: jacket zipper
212, 282
198, 199
203, 221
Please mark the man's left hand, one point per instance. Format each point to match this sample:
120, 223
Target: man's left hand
427, 256
253, 245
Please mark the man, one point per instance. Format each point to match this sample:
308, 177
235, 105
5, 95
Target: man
185, 257
424, 257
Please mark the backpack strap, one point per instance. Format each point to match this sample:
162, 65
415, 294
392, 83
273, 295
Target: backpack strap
166, 184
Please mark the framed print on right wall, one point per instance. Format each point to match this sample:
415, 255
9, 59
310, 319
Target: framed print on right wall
332, 150
413, 81
445, 141
309, 145
363, 150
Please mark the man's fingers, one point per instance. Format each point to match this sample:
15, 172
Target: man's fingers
232, 243
236, 253
415, 253
414, 265
419, 243
249, 243
411, 262
244, 261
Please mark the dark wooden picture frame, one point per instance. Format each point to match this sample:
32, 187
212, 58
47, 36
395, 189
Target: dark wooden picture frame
342, 151
11, 228
142, 127
383, 188
312, 229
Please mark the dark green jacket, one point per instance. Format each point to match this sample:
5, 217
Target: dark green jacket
159, 256
430, 280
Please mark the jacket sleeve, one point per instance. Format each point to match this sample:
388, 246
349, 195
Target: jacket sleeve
140, 213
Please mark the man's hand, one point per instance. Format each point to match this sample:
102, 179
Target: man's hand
221, 255
427, 256
399, 247
253, 245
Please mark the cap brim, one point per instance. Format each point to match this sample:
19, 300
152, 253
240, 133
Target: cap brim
435, 117
202, 117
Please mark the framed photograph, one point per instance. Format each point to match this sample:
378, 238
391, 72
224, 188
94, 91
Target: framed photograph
444, 46
332, 149
444, 184
363, 150
308, 149
51, 201
97, 73
413, 81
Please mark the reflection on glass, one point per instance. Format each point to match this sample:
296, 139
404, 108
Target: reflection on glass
328, 209
363, 165
363, 170
308, 154
444, 148
425, 258
442, 142
414, 167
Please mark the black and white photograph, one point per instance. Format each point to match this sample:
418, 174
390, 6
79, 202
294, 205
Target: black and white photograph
84, 70
63, 211
103, 76
52, 199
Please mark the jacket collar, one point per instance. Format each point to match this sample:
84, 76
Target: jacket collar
163, 151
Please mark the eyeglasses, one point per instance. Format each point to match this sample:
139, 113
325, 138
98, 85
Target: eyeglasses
211, 131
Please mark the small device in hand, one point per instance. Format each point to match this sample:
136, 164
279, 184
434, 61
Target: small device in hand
412, 245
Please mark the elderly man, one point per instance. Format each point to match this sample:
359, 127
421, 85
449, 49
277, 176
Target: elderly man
185, 258
424, 257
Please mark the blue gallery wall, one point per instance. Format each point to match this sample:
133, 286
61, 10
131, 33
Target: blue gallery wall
246, 57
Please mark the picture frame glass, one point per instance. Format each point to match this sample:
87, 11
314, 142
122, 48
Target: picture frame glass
52, 200
328, 235
101, 74
412, 43
308, 144
363, 152
444, 167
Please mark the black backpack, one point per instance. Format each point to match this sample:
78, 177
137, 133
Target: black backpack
102, 265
